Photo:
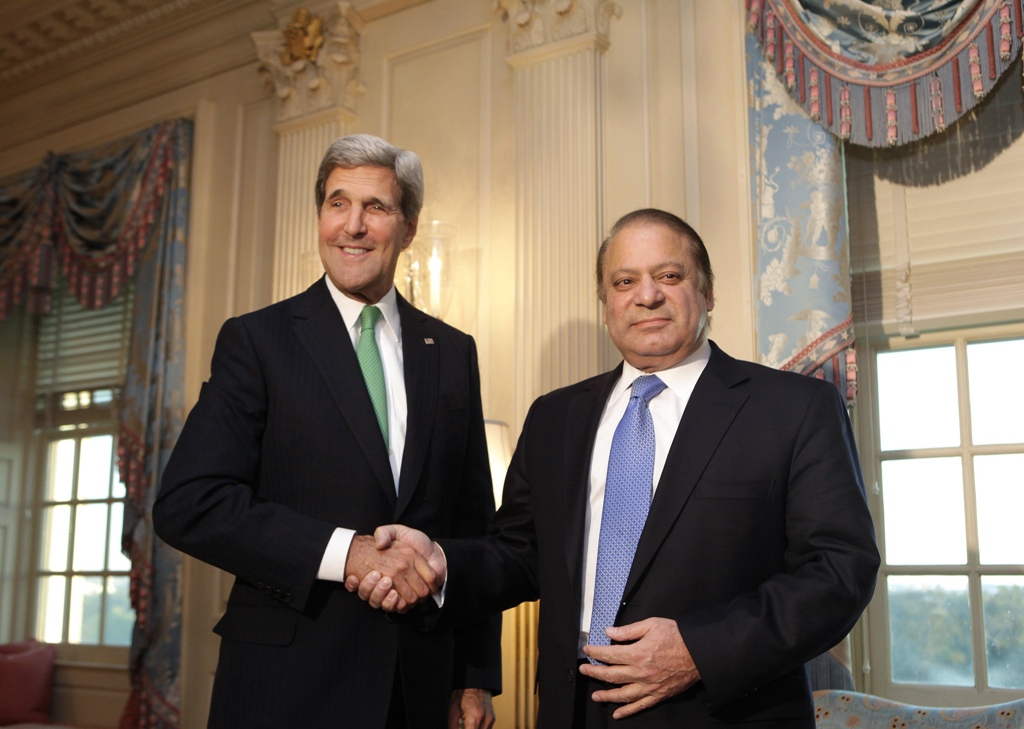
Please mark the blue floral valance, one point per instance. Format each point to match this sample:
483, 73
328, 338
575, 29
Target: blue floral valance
887, 72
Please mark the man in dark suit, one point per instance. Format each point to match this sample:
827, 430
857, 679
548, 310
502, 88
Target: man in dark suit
326, 415
703, 515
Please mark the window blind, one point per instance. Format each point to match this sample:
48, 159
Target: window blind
83, 349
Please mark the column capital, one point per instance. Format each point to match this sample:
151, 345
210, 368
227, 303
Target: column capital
313, 61
537, 23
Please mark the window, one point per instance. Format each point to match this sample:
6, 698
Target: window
947, 428
80, 577
82, 580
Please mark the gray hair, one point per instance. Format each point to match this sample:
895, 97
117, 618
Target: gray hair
360, 150
653, 216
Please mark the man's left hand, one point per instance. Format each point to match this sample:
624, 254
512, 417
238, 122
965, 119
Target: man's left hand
653, 665
470, 709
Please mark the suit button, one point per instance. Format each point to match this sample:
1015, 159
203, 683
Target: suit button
569, 675
260, 586
287, 597
389, 617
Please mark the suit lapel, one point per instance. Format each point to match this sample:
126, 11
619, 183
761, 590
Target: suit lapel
712, 407
321, 330
420, 358
585, 410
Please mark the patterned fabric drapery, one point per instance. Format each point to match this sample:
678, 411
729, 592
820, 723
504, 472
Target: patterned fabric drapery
887, 72
803, 320
104, 216
152, 413
90, 213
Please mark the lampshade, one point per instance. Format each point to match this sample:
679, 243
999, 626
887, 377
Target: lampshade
498, 453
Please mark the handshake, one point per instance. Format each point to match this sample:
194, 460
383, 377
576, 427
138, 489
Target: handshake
395, 569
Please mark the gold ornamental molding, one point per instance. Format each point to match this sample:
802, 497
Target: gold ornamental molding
313, 61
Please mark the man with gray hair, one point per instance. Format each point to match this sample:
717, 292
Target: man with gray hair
325, 416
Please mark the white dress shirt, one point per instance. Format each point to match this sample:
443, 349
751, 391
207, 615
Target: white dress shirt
666, 412
388, 333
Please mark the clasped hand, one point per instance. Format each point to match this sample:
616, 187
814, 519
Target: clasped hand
395, 569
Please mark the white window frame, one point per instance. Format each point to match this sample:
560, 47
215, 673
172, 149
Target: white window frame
45, 437
876, 664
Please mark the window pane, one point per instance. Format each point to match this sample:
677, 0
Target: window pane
86, 605
999, 483
996, 405
94, 467
1003, 600
917, 399
930, 630
117, 627
118, 491
923, 499
90, 537
53, 556
62, 467
50, 612
116, 560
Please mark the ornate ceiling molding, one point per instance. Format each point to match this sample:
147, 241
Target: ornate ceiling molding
312, 62
67, 30
536, 23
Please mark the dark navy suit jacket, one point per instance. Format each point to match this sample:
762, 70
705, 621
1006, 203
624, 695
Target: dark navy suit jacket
759, 543
282, 447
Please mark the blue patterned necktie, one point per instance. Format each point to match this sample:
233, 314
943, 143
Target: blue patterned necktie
627, 499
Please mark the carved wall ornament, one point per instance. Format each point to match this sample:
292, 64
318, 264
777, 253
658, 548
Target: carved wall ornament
302, 38
312, 68
534, 23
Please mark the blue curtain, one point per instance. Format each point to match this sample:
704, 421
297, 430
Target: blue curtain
803, 317
887, 72
103, 217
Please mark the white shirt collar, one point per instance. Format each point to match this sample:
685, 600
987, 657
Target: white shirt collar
350, 309
680, 377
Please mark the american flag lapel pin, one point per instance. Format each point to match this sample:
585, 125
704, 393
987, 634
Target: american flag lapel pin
428, 340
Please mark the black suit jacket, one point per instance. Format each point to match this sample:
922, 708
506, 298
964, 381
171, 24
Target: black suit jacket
282, 447
758, 543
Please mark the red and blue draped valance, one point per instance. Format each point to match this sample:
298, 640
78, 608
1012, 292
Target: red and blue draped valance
89, 213
887, 72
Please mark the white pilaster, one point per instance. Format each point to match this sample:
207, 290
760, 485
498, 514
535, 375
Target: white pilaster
301, 145
557, 56
559, 82
313, 64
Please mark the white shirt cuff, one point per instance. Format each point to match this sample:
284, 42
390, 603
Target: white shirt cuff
439, 595
332, 566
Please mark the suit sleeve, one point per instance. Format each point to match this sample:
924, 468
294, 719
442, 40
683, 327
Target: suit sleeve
501, 570
477, 645
828, 576
208, 505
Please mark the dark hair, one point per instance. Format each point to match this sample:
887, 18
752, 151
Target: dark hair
359, 150
653, 216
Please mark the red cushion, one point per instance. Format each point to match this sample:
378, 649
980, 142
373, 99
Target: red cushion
26, 672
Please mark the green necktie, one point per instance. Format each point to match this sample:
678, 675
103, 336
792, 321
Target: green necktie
373, 370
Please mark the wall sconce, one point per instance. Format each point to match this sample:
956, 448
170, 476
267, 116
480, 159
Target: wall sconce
425, 274
498, 453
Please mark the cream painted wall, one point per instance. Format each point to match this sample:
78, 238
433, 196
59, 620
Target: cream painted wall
676, 138
437, 84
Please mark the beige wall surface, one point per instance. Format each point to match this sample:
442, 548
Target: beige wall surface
673, 135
